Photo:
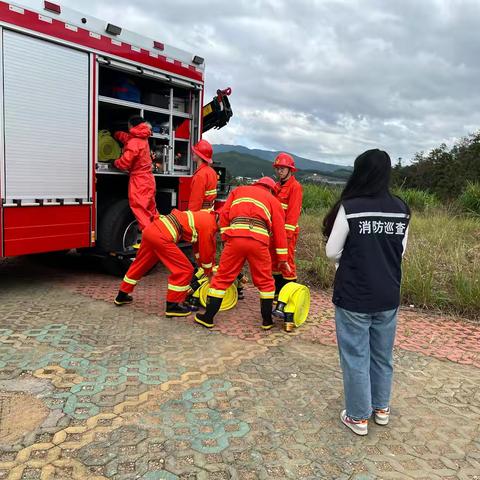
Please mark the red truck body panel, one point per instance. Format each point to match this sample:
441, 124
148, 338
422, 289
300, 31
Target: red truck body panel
46, 229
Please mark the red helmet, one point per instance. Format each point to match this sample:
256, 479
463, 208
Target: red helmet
267, 182
204, 150
284, 160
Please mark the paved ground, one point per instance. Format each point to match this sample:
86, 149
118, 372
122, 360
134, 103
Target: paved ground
92, 391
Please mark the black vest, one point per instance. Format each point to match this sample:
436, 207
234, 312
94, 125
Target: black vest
369, 274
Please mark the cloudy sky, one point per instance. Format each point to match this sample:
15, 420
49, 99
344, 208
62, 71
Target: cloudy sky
325, 79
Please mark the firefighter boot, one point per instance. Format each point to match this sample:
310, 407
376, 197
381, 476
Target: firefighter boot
278, 283
175, 309
194, 303
279, 310
213, 306
241, 280
122, 299
289, 325
194, 283
266, 309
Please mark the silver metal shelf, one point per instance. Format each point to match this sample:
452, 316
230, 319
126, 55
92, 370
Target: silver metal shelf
136, 106
177, 173
160, 136
176, 113
141, 106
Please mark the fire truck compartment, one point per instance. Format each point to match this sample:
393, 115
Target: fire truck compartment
166, 106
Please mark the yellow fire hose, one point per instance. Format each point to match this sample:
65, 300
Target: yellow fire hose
293, 300
229, 300
294, 304
108, 148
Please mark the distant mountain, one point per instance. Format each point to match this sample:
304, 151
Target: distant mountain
269, 156
245, 165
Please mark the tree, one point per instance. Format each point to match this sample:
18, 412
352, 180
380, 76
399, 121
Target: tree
442, 171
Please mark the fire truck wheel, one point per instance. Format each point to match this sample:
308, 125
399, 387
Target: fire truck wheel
117, 232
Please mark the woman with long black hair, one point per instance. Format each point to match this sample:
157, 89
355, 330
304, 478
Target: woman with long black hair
367, 233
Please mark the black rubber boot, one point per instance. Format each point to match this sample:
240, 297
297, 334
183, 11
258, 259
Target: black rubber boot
266, 309
278, 283
240, 284
289, 325
194, 303
213, 306
175, 309
194, 284
278, 310
122, 299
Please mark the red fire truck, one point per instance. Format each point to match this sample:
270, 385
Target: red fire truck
68, 82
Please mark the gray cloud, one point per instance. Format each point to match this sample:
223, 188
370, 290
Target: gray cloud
326, 79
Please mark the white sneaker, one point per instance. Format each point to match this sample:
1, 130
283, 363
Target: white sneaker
381, 415
360, 427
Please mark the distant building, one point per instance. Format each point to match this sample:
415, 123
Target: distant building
244, 180
316, 178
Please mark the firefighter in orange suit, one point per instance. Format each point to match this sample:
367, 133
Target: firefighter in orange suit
136, 160
203, 189
249, 217
159, 243
289, 192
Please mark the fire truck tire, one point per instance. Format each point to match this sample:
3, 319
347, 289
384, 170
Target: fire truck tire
113, 231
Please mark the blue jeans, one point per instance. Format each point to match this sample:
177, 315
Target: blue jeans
365, 342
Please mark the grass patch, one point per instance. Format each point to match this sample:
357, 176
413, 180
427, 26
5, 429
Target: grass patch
319, 197
441, 269
417, 200
469, 200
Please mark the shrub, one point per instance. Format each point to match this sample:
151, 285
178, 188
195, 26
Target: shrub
319, 197
418, 200
469, 200
323, 197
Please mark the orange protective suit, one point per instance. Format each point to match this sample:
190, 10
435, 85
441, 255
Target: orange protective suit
203, 189
250, 216
159, 243
137, 162
290, 196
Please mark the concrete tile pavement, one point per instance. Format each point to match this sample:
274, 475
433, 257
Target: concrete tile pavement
92, 391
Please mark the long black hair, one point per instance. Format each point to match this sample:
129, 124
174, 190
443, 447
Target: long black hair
135, 120
370, 177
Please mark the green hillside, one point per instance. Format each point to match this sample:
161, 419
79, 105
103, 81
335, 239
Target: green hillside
269, 156
245, 165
